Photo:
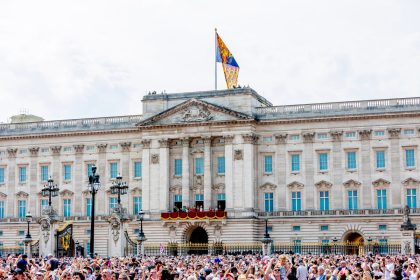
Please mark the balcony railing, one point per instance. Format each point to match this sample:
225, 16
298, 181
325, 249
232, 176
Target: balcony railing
385, 105
193, 215
358, 212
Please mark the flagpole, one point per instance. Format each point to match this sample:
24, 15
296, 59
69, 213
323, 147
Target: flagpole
215, 59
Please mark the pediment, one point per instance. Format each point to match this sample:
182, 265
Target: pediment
135, 190
268, 187
352, 184
381, 183
296, 185
66, 192
22, 194
323, 184
194, 111
410, 182
3, 195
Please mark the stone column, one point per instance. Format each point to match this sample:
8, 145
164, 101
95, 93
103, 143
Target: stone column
395, 195
366, 194
78, 183
308, 139
145, 182
164, 175
337, 170
249, 171
207, 173
100, 208
281, 174
33, 182
186, 172
12, 185
229, 172
125, 169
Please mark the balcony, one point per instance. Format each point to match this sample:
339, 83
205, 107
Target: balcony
193, 215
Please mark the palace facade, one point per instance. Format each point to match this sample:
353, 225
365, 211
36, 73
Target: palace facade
318, 172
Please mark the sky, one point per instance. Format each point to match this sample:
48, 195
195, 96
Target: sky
85, 58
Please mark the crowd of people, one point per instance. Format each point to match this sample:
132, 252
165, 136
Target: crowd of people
206, 267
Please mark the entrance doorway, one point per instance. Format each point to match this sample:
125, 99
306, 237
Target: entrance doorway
198, 240
354, 243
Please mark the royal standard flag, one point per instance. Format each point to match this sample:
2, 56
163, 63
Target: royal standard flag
230, 66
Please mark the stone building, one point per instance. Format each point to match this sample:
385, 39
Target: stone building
319, 172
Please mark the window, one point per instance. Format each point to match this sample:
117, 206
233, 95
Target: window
351, 160
21, 232
200, 142
1, 209
269, 229
350, 134
352, 197
380, 159
136, 145
297, 246
44, 173
324, 227
381, 197
294, 137
178, 167
22, 208
177, 202
137, 169
408, 131
324, 202
199, 200
221, 165
113, 170
296, 201
411, 198
87, 248
296, 228
113, 147
1, 175
382, 227
267, 139
268, 164
67, 149
44, 204
67, 172
322, 136
90, 148
89, 169
113, 202
1, 234
88, 207
379, 133
295, 163
136, 231
23, 151
199, 166
268, 202
22, 174
137, 205
66, 207
221, 201
323, 161
409, 158
45, 150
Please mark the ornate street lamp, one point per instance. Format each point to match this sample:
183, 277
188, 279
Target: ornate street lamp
28, 237
50, 189
141, 237
93, 188
119, 188
335, 240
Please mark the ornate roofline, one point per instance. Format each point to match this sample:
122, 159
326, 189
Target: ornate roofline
184, 105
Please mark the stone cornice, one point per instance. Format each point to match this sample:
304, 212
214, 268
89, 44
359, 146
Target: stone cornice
352, 184
295, 185
268, 187
410, 182
323, 184
380, 183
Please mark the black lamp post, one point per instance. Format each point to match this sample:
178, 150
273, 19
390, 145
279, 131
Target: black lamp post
266, 235
266, 240
93, 188
28, 220
335, 240
119, 187
141, 237
50, 190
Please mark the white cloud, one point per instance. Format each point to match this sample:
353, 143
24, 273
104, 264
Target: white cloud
69, 59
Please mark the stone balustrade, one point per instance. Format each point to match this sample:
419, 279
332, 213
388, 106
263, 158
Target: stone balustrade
358, 212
